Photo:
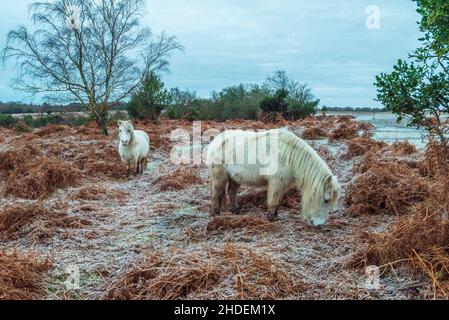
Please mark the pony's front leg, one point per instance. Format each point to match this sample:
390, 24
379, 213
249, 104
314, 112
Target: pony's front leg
128, 169
218, 194
274, 198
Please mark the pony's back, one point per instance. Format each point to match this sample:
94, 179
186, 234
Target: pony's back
216, 149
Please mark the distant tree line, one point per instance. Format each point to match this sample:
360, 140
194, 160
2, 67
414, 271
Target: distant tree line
353, 109
179, 102
21, 108
26, 122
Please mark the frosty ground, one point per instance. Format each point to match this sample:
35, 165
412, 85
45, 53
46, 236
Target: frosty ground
151, 237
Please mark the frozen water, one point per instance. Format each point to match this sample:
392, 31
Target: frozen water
388, 129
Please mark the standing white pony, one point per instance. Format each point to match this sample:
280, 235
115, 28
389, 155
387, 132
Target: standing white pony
277, 159
134, 147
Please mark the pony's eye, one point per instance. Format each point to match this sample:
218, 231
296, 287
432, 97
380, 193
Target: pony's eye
326, 201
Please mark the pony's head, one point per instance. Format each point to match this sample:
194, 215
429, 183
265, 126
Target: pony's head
126, 131
319, 202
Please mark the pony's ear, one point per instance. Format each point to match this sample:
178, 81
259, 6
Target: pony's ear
331, 189
328, 187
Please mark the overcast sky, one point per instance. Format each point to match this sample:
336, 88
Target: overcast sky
324, 43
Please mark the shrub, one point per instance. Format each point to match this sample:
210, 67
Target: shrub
150, 100
22, 220
97, 193
192, 112
10, 160
417, 90
7, 120
42, 120
275, 104
185, 105
388, 188
344, 132
314, 133
41, 177
249, 223
403, 148
237, 102
233, 272
101, 159
51, 129
22, 276
301, 103
26, 123
76, 121
250, 102
179, 180
360, 146
436, 160
419, 241
22, 127
301, 110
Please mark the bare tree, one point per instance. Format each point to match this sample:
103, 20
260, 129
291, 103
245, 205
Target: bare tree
92, 52
278, 81
297, 91
300, 92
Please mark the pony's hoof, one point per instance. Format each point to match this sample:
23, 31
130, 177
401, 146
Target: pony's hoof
271, 217
236, 211
215, 214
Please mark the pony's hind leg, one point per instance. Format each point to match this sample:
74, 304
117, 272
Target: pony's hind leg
274, 198
141, 166
233, 190
144, 165
138, 168
219, 181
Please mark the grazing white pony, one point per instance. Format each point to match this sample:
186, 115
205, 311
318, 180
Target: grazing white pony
134, 147
238, 158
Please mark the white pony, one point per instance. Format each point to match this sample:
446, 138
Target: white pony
286, 162
134, 147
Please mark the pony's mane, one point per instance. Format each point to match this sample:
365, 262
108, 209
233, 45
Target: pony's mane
310, 171
128, 125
